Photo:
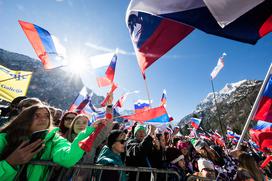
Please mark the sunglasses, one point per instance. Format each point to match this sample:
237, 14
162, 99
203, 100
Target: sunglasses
69, 118
121, 141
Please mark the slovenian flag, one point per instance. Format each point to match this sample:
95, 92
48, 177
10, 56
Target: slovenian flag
247, 21
152, 115
262, 126
81, 103
264, 110
141, 105
163, 99
195, 122
104, 66
219, 66
153, 36
47, 47
121, 101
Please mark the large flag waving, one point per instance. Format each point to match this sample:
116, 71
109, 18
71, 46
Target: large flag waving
251, 22
219, 66
154, 115
47, 47
264, 110
13, 83
153, 36
104, 66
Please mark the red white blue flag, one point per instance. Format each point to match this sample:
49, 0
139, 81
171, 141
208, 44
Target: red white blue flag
122, 99
264, 110
104, 66
152, 115
80, 104
219, 66
47, 47
141, 105
153, 36
247, 21
195, 122
163, 98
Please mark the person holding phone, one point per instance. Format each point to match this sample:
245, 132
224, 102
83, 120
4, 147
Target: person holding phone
15, 149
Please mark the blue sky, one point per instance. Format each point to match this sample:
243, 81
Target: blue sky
92, 27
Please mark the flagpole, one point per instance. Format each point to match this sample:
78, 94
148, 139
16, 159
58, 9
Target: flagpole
255, 105
217, 110
147, 90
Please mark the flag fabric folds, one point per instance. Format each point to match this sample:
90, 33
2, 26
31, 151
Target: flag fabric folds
264, 110
260, 132
13, 83
121, 101
154, 115
262, 126
153, 36
104, 66
81, 103
141, 105
47, 47
226, 11
195, 122
219, 66
252, 19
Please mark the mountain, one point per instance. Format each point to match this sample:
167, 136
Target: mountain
57, 87
234, 104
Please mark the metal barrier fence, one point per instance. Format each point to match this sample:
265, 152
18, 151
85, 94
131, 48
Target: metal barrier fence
97, 177
96, 172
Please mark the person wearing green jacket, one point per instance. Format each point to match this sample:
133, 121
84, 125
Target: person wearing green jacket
16, 151
110, 155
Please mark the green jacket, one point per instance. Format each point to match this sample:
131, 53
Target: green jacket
57, 149
109, 158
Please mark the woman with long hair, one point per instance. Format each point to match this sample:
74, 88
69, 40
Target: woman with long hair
66, 122
79, 123
15, 150
248, 168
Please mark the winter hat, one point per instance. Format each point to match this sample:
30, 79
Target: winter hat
114, 134
203, 163
173, 155
138, 128
200, 144
182, 145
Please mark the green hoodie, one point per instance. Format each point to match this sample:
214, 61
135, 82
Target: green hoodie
108, 157
57, 149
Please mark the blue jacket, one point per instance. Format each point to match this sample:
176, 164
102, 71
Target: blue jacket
109, 158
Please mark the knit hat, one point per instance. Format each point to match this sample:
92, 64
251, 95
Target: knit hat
114, 134
173, 155
138, 128
182, 145
203, 163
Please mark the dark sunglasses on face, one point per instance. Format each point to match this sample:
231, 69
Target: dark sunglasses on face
121, 141
69, 118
